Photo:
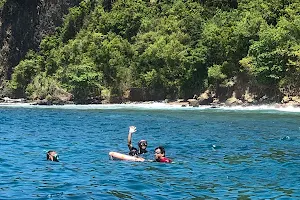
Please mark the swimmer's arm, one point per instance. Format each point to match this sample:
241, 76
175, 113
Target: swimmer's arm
129, 141
132, 129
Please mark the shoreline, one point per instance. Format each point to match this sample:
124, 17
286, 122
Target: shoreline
160, 106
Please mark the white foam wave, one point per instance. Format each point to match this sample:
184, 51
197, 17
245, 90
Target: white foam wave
156, 106
275, 107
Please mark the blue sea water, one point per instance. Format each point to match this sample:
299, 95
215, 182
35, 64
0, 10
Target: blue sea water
217, 153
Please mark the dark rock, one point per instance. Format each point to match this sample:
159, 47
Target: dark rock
104, 101
137, 94
143, 94
23, 24
115, 99
43, 102
205, 101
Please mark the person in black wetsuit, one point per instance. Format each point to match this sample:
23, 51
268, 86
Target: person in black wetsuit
142, 144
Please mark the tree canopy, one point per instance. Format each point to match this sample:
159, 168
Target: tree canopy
174, 48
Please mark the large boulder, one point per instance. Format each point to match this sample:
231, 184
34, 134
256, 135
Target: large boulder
296, 99
291, 101
285, 99
233, 101
205, 98
43, 102
193, 102
248, 97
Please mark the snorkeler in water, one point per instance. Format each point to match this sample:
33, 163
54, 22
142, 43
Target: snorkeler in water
142, 144
52, 156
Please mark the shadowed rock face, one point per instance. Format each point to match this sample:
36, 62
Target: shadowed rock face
23, 24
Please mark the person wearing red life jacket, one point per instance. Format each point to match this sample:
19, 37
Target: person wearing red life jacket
160, 155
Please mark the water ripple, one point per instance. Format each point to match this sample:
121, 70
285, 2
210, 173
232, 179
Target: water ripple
217, 154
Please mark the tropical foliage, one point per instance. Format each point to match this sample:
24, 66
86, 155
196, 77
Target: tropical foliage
2, 2
174, 48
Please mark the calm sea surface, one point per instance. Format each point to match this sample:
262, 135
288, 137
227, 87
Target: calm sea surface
217, 154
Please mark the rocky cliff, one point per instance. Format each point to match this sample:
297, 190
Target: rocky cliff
23, 24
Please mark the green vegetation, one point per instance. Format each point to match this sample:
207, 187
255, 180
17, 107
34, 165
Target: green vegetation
2, 2
174, 48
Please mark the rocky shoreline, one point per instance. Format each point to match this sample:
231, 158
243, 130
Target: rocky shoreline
195, 102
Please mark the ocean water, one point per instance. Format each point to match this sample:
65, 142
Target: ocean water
236, 153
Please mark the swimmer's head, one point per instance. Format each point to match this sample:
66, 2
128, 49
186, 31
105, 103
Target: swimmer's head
286, 138
52, 155
159, 153
143, 144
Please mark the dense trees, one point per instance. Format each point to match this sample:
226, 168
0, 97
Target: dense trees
175, 49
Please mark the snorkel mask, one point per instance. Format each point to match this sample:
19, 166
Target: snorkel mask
55, 157
143, 143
